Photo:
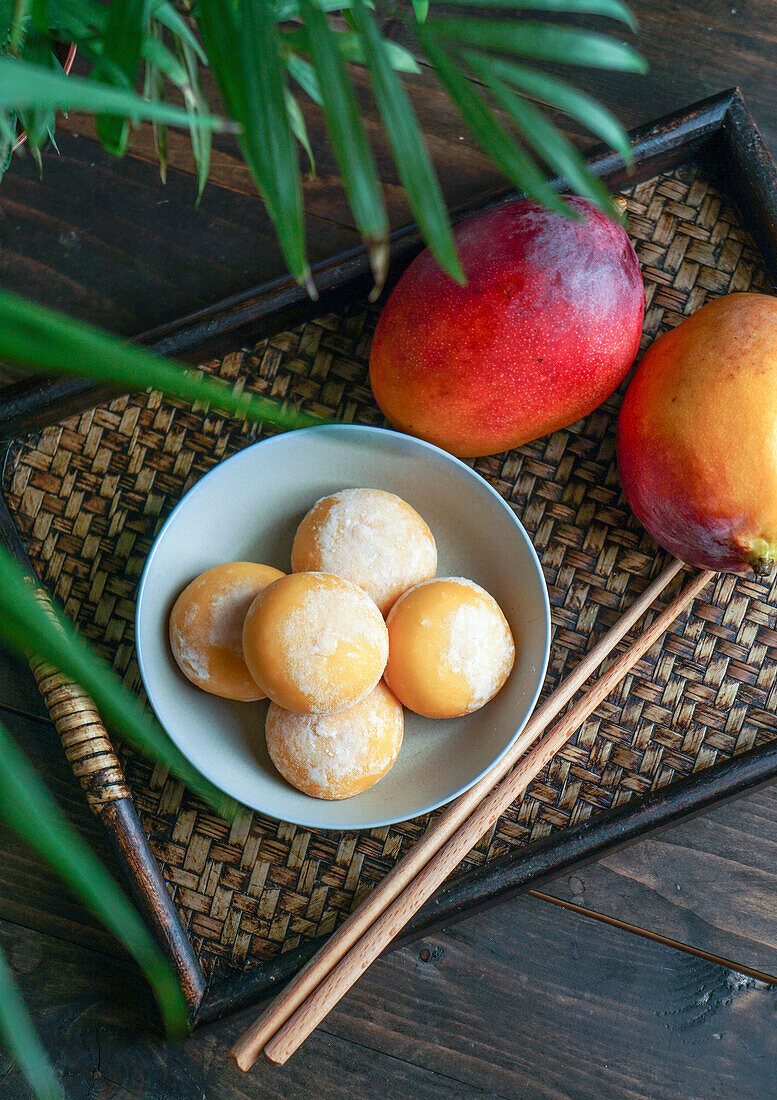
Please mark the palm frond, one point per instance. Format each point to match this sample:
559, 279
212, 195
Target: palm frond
556, 93
299, 129
24, 86
153, 90
164, 12
349, 140
410, 153
40, 339
244, 52
125, 31
28, 810
492, 137
196, 108
611, 9
543, 137
541, 41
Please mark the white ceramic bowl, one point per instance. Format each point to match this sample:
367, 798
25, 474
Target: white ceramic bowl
247, 509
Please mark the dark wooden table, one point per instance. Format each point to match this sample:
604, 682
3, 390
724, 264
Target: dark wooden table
545, 995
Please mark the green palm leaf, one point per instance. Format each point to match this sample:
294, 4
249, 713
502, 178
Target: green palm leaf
299, 129
542, 41
564, 97
516, 164
167, 15
153, 89
123, 37
42, 339
24, 86
305, 75
349, 140
32, 629
410, 154
28, 810
612, 9
546, 139
196, 108
21, 1038
245, 59
268, 132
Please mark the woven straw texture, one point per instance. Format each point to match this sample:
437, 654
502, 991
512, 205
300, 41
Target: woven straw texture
90, 494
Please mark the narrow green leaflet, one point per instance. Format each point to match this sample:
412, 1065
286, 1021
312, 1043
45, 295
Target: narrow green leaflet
289, 9
612, 9
494, 140
410, 153
349, 140
19, 22
299, 129
267, 131
196, 108
123, 37
23, 86
564, 97
154, 89
352, 49
8, 125
349, 44
36, 121
251, 80
20, 1036
421, 9
28, 809
305, 75
30, 628
166, 14
41, 339
155, 53
546, 139
542, 41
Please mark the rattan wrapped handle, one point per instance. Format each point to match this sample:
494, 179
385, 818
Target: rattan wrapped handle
96, 765
84, 738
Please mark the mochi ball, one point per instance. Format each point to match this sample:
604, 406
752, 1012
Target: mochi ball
336, 755
206, 628
450, 648
370, 537
315, 643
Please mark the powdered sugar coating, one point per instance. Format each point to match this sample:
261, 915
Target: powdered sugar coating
337, 755
315, 643
370, 537
206, 628
451, 648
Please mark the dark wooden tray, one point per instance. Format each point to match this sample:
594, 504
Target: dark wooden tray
707, 698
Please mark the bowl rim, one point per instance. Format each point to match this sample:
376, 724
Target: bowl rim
363, 430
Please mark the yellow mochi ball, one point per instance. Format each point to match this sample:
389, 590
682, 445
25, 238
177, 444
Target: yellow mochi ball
370, 537
315, 643
450, 648
336, 755
206, 628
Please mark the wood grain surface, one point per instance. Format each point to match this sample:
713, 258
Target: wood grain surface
521, 1002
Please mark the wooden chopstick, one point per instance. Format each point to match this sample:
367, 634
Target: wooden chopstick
250, 1044
340, 979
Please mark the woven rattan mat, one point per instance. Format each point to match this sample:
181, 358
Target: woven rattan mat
91, 493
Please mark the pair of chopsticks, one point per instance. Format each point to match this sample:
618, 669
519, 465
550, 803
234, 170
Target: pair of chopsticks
317, 988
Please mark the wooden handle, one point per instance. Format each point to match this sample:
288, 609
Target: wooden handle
250, 1044
84, 738
310, 1014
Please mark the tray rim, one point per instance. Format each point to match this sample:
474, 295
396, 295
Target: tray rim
719, 126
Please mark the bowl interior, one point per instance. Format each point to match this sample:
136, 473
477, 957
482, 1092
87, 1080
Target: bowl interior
248, 508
